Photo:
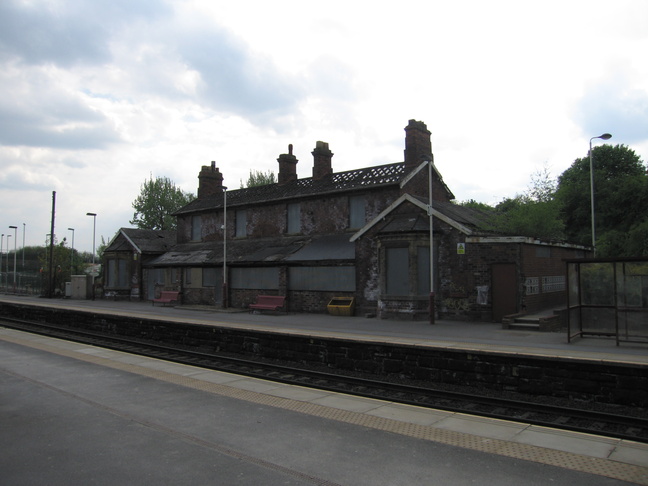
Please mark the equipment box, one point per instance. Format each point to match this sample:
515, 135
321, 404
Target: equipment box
341, 306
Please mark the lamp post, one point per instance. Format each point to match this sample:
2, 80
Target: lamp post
430, 216
605, 136
15, 228
94, 232
72, 254
225, 303
23, 262
7, 272
1, 247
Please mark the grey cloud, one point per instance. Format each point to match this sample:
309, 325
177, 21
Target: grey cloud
16, 181
39, 115
614, 107
78, 35
30, 134
65, 33
236, 81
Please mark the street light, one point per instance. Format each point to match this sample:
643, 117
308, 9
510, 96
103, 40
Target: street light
94, 232
430, 169
23, 263
7, 272
94, 229
1, 247
15, 228
605, 136
72, 254
225, 303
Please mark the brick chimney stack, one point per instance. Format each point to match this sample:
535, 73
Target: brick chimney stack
287, 166
322, 160
418, 145
210, 181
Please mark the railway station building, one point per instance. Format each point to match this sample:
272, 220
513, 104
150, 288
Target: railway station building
362, 234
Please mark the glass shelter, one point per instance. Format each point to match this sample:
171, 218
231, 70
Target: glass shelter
608, 298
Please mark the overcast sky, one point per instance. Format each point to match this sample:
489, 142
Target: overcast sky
97, 96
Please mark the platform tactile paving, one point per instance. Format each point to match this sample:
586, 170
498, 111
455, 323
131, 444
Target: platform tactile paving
576, 462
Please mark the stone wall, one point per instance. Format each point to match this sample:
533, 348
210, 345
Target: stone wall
605, 382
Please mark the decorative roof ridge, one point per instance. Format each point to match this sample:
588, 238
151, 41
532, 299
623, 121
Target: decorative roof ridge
366, 177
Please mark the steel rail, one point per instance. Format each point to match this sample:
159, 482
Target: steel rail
622, 426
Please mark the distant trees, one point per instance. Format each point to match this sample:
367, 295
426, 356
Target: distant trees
258, 178
620, 201
158, 199
561, 209
535, 212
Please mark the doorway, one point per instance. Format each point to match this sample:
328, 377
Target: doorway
505, 292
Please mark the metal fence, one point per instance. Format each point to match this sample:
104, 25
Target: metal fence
26, 283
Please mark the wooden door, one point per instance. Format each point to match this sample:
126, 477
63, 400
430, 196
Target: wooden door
505, 293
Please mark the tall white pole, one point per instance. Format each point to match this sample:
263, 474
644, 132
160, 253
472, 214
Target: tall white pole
23, 262
15, 228
1, 246
432, 306
592, 197
7, 272
605, 136
225, 290
72, 255
94, 232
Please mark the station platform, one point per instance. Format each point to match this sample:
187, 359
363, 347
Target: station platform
454, 334
76, 414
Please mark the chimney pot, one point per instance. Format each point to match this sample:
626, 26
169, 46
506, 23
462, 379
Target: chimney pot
418, 145
210, 181
322, 160
287, 166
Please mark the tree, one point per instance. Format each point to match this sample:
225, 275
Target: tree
61, 261
158, 199
533, 213
620, 194
525, 216
258, 178
471, 203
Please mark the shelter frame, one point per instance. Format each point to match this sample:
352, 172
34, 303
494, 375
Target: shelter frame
608, 298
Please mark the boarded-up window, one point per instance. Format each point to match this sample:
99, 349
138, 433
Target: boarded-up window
397, 271
255, 278
196, 228
117, 273
294, 218
158, 276
212, 276
241, 223
357, 209
338, 279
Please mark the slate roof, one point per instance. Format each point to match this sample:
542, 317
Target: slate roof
475, 220
143, 240
351, 180
260, 251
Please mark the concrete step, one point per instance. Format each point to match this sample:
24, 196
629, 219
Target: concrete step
527, 320
527, 325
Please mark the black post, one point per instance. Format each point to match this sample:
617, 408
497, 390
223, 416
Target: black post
51, 261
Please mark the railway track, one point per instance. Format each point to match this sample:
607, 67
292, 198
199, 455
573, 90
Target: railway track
617, 422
